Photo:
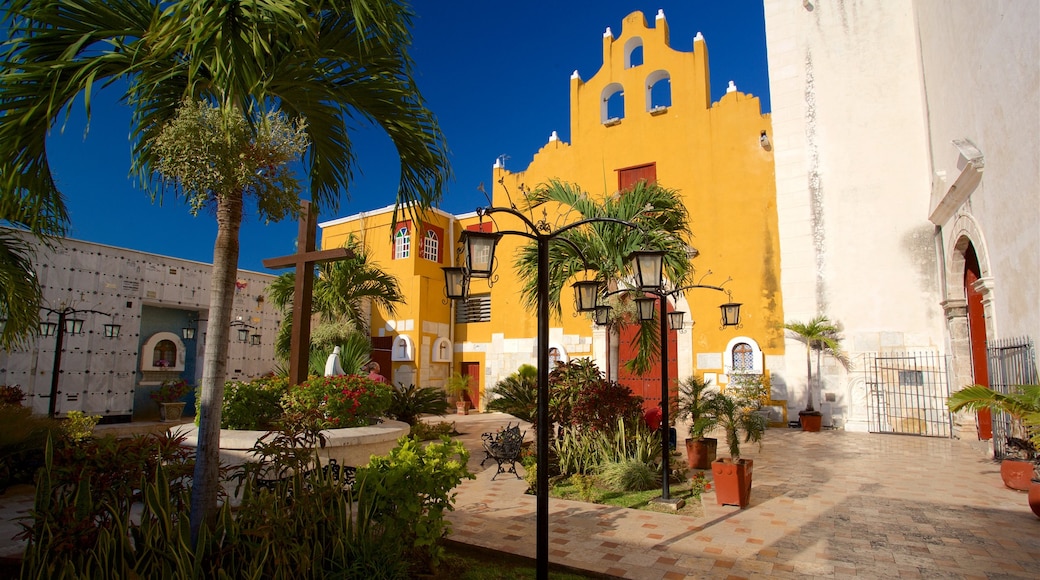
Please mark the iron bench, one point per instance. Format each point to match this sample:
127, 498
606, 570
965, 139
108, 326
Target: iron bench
504, 447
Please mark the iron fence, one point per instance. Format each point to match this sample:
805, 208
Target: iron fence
1011, 362
907, 393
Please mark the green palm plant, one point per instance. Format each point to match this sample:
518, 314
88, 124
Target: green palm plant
823, 336
517, 394
663, 223
20, 292
695, 404
1023, 406
323, 64
734, 418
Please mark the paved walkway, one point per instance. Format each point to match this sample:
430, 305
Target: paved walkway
829, 505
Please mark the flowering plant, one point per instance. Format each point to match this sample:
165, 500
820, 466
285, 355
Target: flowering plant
171, 391
342, 401
698, 485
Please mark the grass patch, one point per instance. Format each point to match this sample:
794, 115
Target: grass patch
639, 500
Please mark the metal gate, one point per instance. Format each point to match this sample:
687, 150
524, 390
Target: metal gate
1012, 361
907, 393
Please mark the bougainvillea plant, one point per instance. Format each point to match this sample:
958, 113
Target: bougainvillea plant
343, 401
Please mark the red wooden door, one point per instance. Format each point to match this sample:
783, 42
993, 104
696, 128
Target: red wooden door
647, 385
381, 346
630, 176
977, 335
472, 370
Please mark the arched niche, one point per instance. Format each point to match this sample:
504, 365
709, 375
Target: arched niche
658, 91
162, 352
403, 349
633, 52
757, 365
557, 354
442, 350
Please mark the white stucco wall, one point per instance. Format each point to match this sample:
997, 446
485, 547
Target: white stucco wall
853, 183
981, 65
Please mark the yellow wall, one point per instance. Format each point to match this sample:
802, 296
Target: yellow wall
711, 153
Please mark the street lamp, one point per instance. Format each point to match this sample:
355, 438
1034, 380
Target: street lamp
66, 325
243, 332
645, 266
478, 259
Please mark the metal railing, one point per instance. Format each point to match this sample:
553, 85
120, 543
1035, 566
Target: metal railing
907, 393
1011, 361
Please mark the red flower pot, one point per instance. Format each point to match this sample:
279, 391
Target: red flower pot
1034, 496
732, 481
811, 422
1016, 473
701, 452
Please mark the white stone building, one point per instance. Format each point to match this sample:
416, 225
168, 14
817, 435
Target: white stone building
152, 299
906, 133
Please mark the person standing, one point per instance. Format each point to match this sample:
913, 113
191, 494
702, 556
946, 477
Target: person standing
373, 373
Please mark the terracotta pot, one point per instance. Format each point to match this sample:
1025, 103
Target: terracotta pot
1034, 496
732, 481
811, 422
1016, 473
701, 452
462, 407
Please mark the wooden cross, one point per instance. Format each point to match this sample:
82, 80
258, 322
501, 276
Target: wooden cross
304, 260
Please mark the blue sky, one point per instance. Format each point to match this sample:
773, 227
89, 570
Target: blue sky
496, 75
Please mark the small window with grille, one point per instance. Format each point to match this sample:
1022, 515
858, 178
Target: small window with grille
743, 358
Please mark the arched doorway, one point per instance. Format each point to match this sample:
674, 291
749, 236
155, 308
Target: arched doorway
977, 334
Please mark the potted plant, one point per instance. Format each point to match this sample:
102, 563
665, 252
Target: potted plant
169, 396
820, 335
694, 404
733, 475
1018, 468
457, 387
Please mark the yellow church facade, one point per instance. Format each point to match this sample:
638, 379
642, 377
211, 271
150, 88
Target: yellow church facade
646, 114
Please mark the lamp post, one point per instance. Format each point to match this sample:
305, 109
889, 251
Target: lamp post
478, 258
645, 306
66, 324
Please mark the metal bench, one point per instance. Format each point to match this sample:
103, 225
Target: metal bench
342, 473
504, 447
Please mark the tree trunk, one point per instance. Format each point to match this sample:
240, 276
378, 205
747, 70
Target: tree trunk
808, 367
221, 298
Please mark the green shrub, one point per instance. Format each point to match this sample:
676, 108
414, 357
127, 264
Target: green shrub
22, 442
408, 491
576, 452
307, 527
255, 404
78, 426
629, 439
341, 401
409, 403
516, 394
423, 431
629, 475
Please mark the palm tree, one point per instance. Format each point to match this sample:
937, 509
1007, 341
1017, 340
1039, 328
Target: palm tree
20, 293
663, 224
822, 336
322, 62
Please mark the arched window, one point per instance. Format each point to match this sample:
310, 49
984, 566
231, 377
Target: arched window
431, 246
402, 243
633, 52
743, 358
613, 105
164, 354
658, 91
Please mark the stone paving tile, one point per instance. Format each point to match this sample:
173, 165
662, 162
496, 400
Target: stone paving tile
823, 505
